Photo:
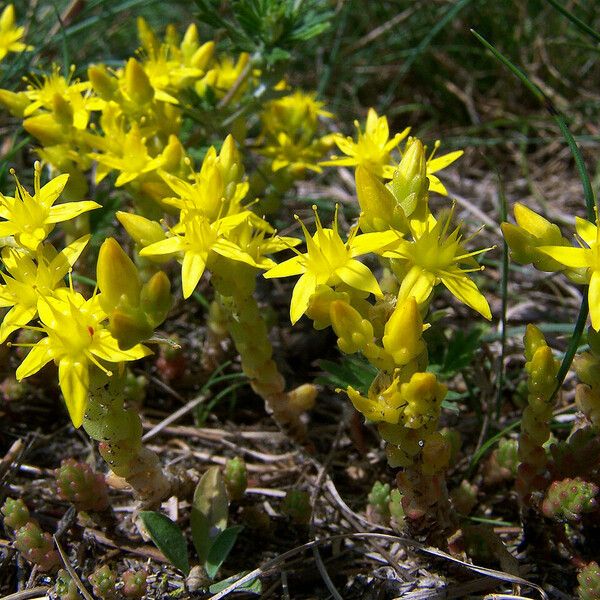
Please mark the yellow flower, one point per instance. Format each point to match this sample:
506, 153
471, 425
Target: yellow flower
76, 339
586, 257
434, 256
29, 280
526, 237
437, 164
330, 261
197, 238
133, 159
10, 34
31, 218
372, 148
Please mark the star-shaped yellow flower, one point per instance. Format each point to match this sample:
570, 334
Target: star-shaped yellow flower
76, 340
372, 147
436, 256
10, 34
29, 279
587, 257
331, 261
31, 218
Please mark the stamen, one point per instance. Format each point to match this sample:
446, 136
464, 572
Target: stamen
94, 361
436, 145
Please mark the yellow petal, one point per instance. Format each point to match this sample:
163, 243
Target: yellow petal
288, 268
106, 347
70, 210
73, 376
417, 283
466, 291
191, 271
16, 317
52, 190
166, 246
38, 356
567, 255
587, 231
305, 287
359, 276
441, 162
594, 300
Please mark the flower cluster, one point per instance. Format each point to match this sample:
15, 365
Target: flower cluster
384, 321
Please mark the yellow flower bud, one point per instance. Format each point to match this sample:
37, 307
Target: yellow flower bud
403, 331
533, 340
203, 56
173, 154
190, 41
45, 128
103, 83
62, 111
409, 184
320, 303
16, 103
117, 277
143, 231
155, 298
137, 84
376, 202
129, 327
353, 332
146, 36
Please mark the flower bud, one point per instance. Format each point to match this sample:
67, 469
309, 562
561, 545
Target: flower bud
129, 327
155, 298
143, 231
137, 84
16, 103
410, 184
235, 478
203, 55
117, 277
403, 332
380, 211
353, 332
45, 128
15, 513
146, 36
533, 340
190, 41
103, 83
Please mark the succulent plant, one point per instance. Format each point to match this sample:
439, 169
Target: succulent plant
77, 483
568, 499
15, 513
236, 479
37, 546
65, 587
103, 581
134, 583
296, 505
589, 582
464, 497
379, 500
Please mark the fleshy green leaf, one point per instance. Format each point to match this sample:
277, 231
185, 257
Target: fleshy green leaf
168, 539
209, 511
220, 549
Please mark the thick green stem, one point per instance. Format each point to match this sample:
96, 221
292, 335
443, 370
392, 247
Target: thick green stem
119, 433
248, 329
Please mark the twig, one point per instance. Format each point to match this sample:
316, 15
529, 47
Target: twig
173, 417
500, 575
71, 571
27, 594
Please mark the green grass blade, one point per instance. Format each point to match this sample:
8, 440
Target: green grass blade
575, 20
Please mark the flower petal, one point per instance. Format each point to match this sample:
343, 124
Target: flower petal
594, 300
38, 356
70, 210
359, 276
167, 246
191, 271
288, 268
16, 317
567, 255
466, 291
74, 379
305, 287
